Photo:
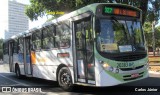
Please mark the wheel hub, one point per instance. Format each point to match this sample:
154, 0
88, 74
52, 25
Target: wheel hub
65, 78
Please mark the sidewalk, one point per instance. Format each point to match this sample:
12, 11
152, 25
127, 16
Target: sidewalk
153, 72
4, 67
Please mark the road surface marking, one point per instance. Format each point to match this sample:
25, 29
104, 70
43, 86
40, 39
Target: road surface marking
11, 85
14, 80
50, 93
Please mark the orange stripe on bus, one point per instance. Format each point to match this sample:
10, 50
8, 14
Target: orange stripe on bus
33, 57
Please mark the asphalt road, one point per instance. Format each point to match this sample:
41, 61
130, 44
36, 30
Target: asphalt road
8, 79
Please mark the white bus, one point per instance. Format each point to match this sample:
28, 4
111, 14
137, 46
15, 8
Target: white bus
98, 45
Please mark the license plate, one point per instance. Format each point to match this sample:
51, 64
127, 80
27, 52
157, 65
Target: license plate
134, 75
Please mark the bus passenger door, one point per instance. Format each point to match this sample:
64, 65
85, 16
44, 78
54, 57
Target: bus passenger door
84, 59
11, 56
27, 58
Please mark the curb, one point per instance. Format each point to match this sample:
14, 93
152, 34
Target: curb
152, 72
4, 68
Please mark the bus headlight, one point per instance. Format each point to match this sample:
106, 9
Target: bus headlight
107, 67
117, 70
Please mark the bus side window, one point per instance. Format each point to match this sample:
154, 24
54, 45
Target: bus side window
3, 48
6, 47
20, 45
51, 35
48, 37
36, 40
62, 38
59, 29
15, 45
65, 36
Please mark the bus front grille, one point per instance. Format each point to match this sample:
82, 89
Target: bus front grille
132, 78
128, 77
128, 69
130, 57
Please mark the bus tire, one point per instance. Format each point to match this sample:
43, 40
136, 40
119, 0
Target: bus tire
18, 73
65, 79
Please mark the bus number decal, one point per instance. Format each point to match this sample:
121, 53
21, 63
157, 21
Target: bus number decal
123, 65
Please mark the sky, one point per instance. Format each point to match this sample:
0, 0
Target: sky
4, 16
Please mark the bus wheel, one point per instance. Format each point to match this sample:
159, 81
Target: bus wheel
18, 73
65, 79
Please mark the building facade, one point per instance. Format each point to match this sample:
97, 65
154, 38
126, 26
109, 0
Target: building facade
17, 20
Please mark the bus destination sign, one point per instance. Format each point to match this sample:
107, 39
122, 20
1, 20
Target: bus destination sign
119, 11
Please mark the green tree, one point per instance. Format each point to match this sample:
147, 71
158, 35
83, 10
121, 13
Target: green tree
148, 34
153, 17
157, 36
38, 8
153, 11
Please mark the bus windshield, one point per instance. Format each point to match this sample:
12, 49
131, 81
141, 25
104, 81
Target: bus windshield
118, 36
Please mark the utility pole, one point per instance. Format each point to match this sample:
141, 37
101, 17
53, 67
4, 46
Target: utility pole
153, 37
153, 30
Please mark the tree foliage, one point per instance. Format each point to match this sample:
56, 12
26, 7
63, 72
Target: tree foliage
148, 34
157, 36
153, 11
153, 16
38, 8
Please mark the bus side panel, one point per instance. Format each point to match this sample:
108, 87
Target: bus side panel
21, 63
21, 66
45, 72
47, 62
45, 65
35, 71
6, 59
15, 60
